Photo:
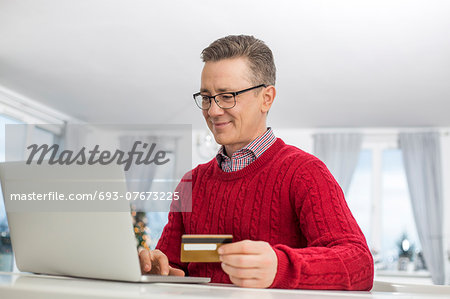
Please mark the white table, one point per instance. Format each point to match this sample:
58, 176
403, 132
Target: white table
25, 285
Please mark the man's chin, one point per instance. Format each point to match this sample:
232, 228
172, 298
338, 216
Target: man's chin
220, 139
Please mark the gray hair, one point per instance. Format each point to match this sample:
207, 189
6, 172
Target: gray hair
258, 54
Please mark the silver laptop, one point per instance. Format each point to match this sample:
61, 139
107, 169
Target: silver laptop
80, 240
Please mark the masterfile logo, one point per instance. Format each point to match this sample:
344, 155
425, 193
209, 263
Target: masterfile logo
96, 167
145, 156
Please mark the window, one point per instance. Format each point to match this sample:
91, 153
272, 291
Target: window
3, 121
379, 199
399, 234
41, 136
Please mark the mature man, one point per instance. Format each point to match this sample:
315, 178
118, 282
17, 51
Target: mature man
290, 223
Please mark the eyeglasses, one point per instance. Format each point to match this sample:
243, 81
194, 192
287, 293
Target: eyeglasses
225, 100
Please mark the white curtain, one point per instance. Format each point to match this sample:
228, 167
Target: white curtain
340, 152
422, 159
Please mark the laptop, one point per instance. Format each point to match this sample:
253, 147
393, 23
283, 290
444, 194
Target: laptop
73, 238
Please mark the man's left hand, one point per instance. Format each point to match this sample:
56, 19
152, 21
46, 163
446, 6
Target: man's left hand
251, 264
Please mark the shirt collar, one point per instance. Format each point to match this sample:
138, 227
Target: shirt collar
254, 148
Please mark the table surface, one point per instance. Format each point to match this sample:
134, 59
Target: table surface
24, 285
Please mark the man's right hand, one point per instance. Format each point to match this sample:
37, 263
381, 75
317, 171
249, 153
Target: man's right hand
156, 262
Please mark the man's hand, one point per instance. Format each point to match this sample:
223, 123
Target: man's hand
251, 264
156, 262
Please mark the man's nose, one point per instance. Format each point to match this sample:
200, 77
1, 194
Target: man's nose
214, 109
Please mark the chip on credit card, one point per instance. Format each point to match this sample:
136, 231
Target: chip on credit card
202, 248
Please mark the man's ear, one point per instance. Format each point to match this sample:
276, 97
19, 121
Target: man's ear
268, 97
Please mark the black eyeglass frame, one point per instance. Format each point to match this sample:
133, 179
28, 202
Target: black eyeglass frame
234, 93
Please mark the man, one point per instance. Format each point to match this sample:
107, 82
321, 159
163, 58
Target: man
290, 223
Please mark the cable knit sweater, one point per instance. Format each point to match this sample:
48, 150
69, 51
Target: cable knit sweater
287, 198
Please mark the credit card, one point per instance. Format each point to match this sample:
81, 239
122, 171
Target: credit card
202, 248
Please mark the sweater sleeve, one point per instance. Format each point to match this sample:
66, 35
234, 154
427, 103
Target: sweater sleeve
170, 240
337, 256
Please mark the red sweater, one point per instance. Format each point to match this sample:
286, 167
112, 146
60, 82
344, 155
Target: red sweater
287, 198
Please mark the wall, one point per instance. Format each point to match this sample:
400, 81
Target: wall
301, 138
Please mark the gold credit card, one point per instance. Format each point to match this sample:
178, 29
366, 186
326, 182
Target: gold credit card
202, 248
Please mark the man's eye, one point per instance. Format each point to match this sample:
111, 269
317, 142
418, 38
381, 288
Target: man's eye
226, 97
205, 99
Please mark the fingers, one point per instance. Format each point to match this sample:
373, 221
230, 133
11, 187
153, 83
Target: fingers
242, 273
249, 263
242, 247
246, 283
154, 262
242, 261
250, 277
144, 260
161, 260
175, 272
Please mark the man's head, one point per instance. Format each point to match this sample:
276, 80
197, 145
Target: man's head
259, 57
232, 64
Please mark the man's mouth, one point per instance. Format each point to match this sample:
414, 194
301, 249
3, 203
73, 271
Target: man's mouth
219, 125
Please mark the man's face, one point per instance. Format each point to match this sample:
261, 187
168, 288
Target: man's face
236, 127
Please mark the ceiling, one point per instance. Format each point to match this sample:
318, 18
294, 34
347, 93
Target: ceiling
341, 63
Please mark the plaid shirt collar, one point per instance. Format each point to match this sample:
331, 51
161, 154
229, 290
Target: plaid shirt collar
246, 155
